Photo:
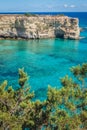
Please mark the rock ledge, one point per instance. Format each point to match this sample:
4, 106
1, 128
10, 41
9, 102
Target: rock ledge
36, 27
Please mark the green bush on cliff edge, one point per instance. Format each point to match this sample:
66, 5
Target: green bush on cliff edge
29, 14
63, 109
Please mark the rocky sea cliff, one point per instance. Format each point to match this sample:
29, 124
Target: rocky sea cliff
37, 27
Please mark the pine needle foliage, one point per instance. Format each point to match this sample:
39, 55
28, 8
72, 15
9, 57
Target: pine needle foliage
63, 109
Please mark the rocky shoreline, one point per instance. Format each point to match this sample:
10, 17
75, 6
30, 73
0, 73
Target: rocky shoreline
38, 27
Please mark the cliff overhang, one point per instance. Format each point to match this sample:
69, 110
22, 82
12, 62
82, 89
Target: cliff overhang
37, 27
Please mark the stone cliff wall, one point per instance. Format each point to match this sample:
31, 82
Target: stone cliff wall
33, 27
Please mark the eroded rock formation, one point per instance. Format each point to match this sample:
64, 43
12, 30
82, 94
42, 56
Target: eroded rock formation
33, 27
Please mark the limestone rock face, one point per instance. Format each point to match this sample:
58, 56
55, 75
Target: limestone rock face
35, 27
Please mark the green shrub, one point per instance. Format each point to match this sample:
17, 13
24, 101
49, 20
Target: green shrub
63, 109
29, 14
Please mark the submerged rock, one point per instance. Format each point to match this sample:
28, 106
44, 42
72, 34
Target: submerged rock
35, 27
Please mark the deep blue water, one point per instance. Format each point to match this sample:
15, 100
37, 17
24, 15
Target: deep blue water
44, 60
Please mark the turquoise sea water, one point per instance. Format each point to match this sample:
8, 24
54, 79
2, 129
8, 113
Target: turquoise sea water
44, 60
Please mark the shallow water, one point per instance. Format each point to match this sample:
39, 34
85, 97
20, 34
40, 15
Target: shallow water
44, 60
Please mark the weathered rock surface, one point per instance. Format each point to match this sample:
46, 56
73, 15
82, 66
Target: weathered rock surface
33, 27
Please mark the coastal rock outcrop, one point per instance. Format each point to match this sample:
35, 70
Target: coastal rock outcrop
35, 27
